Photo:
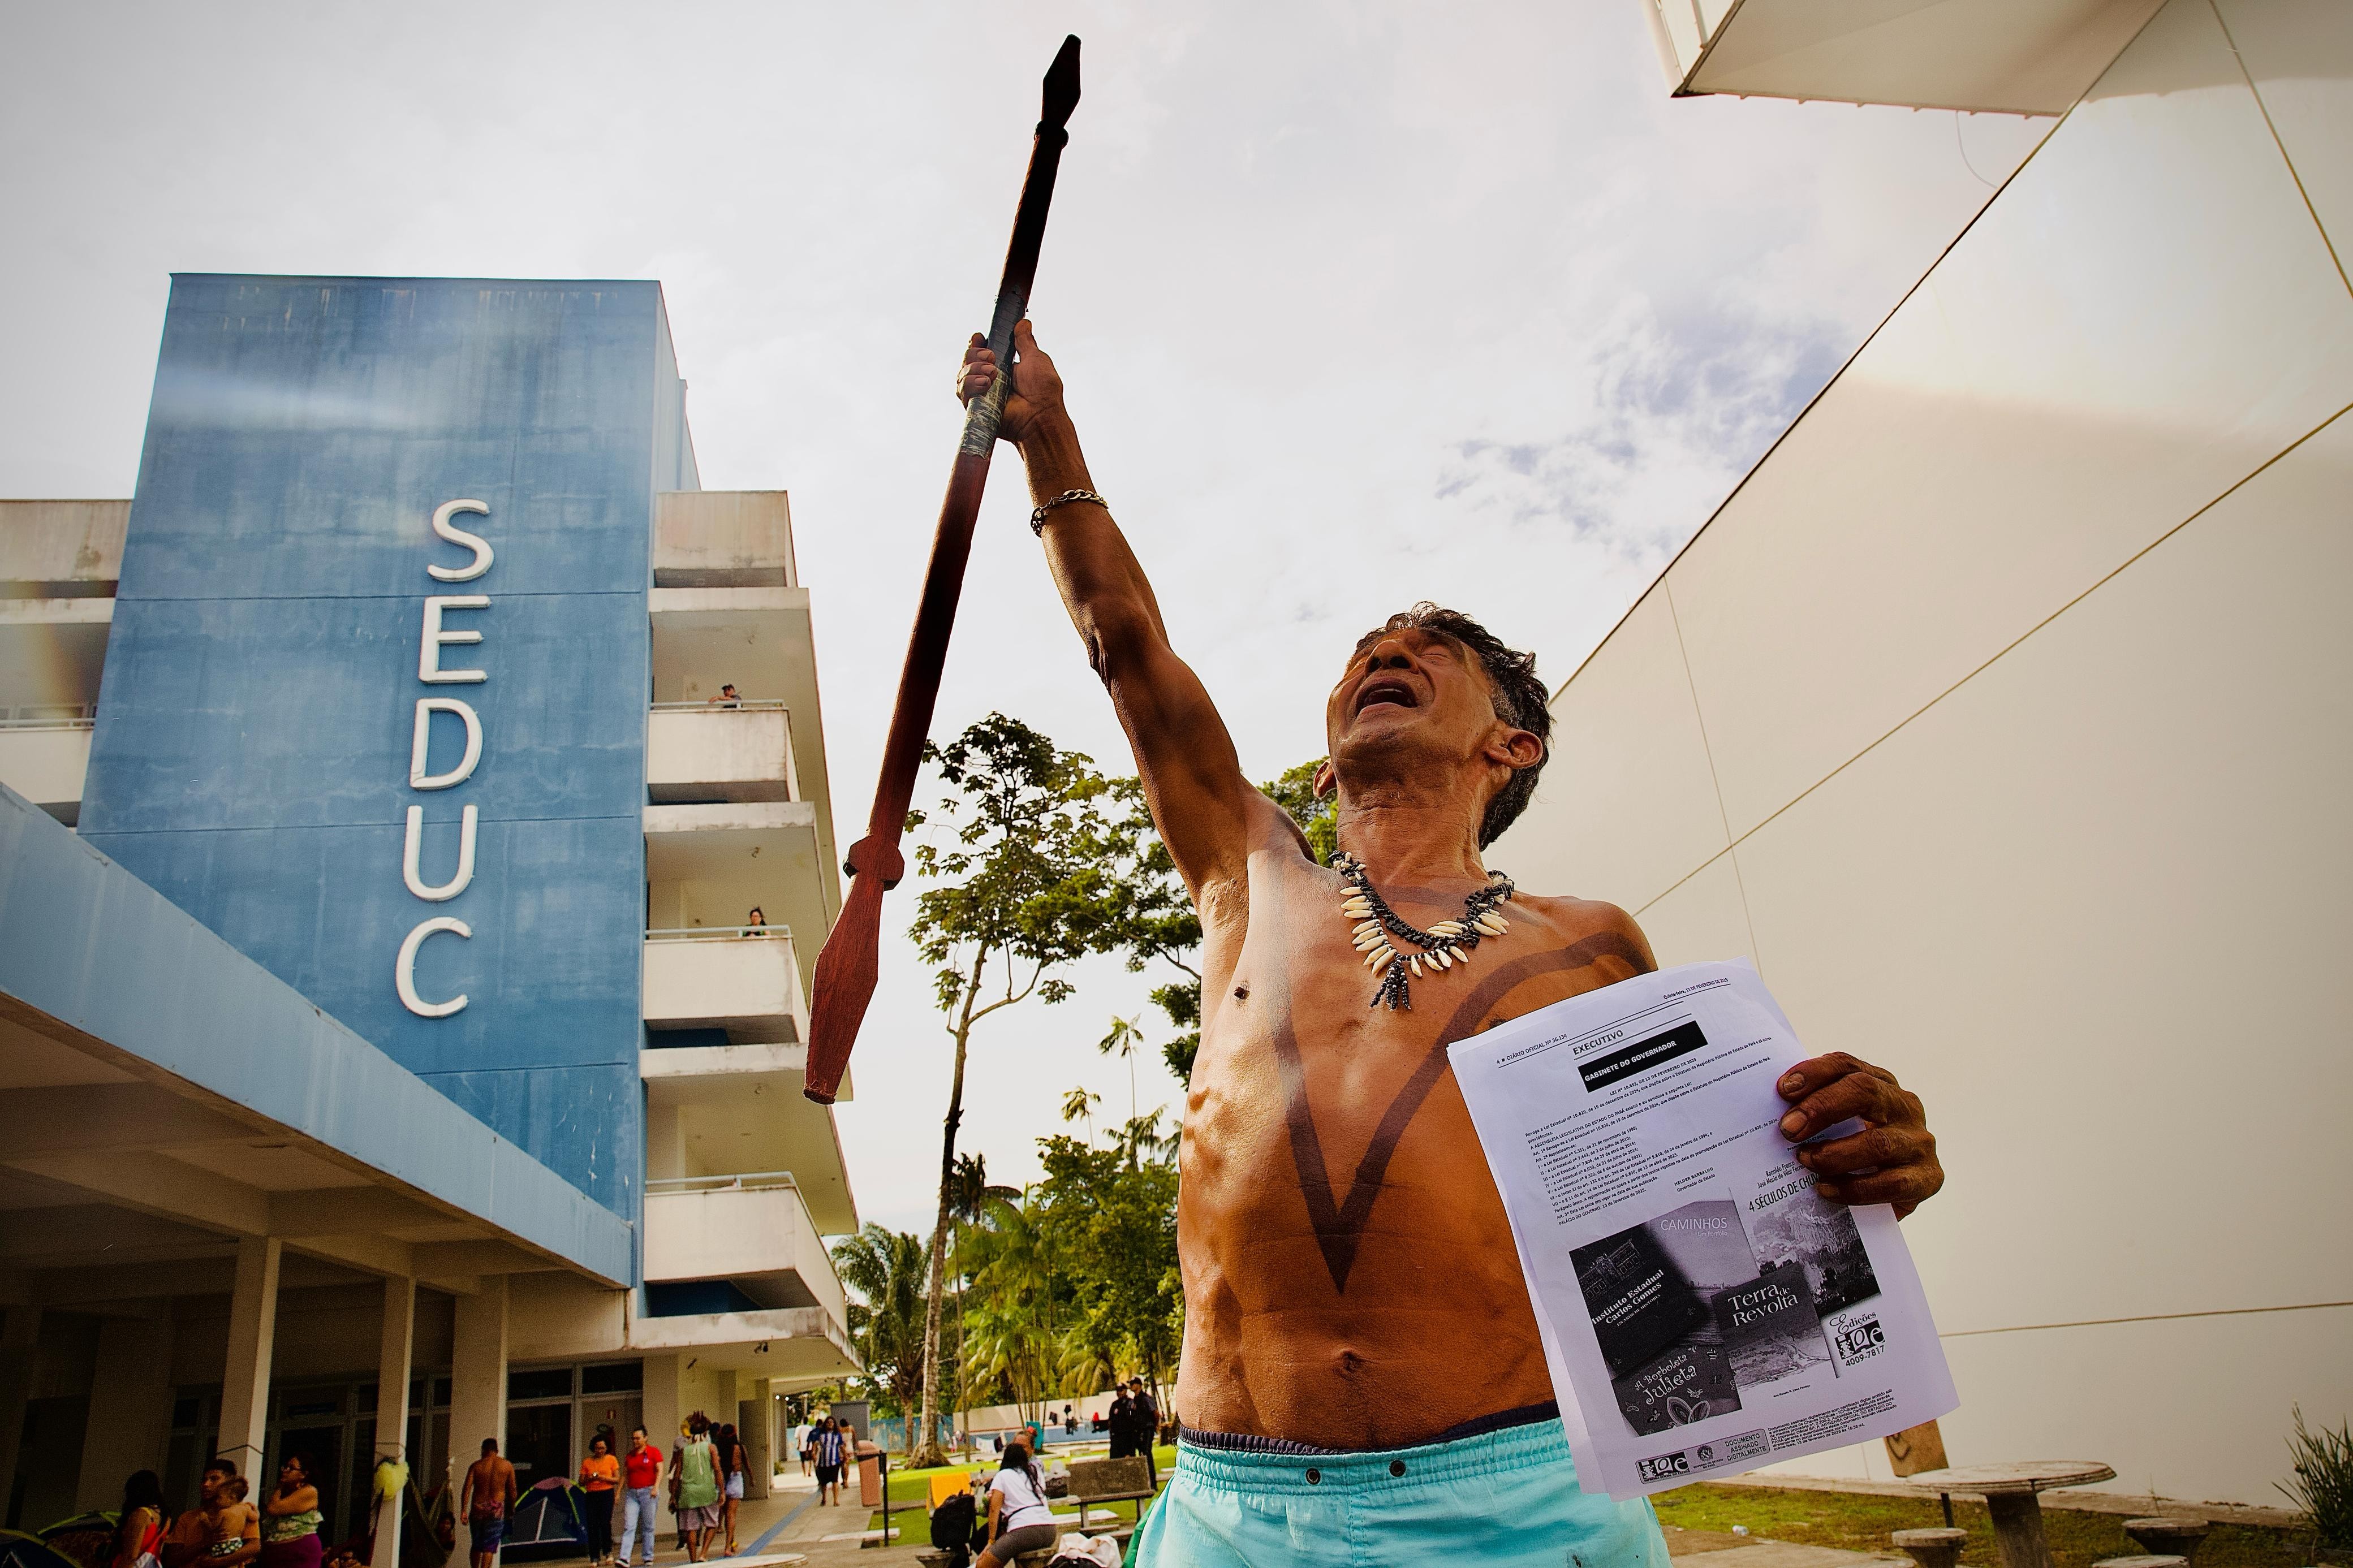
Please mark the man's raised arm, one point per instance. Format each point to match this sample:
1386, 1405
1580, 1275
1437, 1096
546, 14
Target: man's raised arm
1205, 808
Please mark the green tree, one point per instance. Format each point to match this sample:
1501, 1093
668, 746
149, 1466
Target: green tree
887, 1267
1111, 1208
1030, 875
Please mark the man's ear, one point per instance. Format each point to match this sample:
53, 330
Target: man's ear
1325, 784
1514, 748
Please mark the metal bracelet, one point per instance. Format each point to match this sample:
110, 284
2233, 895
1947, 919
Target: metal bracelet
1038, 517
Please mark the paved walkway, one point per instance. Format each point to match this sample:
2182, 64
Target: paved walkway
789, 1529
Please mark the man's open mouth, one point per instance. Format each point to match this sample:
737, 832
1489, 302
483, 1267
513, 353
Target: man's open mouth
1385, 690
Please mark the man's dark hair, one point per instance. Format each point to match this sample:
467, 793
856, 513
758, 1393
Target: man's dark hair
1520, 698
490, 1444
222, 1465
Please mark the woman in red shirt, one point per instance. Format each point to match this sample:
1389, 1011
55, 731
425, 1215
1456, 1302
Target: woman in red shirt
642, 1468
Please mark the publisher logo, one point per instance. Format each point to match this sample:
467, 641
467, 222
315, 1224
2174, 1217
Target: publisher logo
1658, 1464
1706, 1452
1860, 1340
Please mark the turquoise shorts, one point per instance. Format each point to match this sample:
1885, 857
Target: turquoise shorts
1507, 1498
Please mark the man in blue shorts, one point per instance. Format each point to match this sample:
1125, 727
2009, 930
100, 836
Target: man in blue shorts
487, 1500
1363, 1381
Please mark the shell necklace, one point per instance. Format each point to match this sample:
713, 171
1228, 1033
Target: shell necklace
1444, 945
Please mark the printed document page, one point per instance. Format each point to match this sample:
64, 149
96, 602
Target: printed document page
1704, 1312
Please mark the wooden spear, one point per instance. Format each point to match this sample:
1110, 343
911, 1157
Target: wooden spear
845, 970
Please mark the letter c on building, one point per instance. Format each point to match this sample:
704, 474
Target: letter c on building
403, 969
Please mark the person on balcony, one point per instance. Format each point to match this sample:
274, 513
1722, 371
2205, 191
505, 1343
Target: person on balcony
727, 697
757, 923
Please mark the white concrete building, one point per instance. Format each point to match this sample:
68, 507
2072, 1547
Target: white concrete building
2001, 715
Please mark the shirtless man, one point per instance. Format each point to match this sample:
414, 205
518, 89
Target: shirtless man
1362, 1378
487, 1500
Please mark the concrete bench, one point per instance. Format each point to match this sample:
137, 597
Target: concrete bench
1931, 1548
2169, 1537
2147, 1559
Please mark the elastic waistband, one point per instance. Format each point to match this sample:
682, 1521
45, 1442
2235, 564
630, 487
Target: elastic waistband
1246, 1443
1526, 1444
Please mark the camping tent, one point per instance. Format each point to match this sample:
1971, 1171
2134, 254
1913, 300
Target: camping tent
87, 1539
20, 1551
552, 1520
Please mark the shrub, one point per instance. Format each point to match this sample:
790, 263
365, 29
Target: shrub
2323, 1488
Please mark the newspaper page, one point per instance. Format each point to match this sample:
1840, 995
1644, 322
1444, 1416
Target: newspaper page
1704, 1310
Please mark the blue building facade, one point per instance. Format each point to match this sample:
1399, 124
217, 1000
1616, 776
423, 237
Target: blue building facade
301, 661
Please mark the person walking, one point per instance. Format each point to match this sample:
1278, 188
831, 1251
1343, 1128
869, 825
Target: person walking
600, 1479
289, 1518
1018, 1519
138, 1530
486, 1498
828, 1444
640, 1471
731, 1471
695, 1466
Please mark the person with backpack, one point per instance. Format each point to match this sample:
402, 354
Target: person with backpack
1018, 1519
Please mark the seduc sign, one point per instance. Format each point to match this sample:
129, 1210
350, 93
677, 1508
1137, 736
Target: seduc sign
436, 635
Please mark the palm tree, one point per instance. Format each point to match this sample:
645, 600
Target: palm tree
1013, 1334
1122, 1040
1079, 1104
970, 1193
890, 1269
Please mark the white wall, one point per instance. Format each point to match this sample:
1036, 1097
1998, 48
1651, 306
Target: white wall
2014, 679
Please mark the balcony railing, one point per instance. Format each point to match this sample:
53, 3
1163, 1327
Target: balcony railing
714, 751
49, 716
697, 933
745, 1182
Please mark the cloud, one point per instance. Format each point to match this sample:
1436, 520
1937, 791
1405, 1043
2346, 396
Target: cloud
1681, 405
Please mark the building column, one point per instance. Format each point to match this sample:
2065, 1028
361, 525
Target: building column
756, 1423
657, 1402
392, 1371
252, 1335
478, 1372
129, 1409
20, 1332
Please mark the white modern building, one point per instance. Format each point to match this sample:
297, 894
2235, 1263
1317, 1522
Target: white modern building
2002, 716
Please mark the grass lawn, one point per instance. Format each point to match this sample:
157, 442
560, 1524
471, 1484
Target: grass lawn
912, 1489
1860, 1521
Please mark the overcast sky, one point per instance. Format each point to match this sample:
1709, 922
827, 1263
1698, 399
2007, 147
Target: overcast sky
1357, 304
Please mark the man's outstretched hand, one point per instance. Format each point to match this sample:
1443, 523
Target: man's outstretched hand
1891, 1161
1037, 389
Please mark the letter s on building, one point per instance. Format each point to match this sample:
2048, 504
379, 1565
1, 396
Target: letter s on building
473, 541
403, 969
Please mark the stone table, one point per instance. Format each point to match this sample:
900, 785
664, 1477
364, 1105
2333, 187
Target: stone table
2010, 1493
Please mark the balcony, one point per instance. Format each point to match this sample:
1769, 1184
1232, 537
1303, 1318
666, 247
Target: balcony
723, 538
697, 752
712, 1109
710, 866
61, 548
45, 754
750, 1233
745, 980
